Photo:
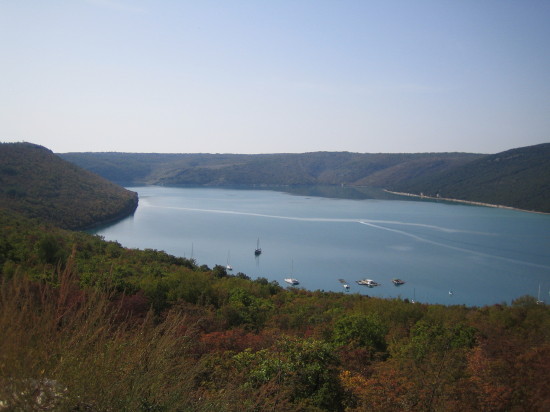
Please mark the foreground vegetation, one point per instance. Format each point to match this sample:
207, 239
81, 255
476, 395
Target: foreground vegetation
89, 325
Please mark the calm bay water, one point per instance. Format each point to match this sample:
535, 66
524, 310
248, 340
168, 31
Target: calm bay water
483, 255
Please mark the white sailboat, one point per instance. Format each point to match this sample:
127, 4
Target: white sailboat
258, 250
228, 266
290, 280
539, 302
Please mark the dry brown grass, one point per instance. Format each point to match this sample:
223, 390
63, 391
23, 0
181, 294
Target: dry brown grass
63, 348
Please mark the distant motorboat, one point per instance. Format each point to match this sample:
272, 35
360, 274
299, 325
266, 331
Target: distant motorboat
344, 283
450, 293
368, 282
398, 282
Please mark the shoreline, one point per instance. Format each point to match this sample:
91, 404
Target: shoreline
127, 211
466, 202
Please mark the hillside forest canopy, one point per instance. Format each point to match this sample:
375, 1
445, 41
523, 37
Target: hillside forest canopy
518, 178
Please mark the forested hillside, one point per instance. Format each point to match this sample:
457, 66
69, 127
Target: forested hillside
38, 183
89, 325
517, 178
328, 168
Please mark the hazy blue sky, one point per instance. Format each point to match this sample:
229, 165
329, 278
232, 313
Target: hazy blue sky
275, 76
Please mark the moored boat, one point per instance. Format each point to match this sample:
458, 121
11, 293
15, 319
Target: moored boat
228, 266
398, 282
292, 281
344, 283
368, 282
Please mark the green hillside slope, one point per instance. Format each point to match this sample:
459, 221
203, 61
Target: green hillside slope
329, 168
39, 184
517, 178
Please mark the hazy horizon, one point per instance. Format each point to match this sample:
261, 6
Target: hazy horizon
249, 77
266, 153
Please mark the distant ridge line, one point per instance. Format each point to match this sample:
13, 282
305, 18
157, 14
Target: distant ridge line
517, 178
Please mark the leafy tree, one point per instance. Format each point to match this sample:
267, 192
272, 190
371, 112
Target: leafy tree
51, 249
219, 271
359, 330
305, 368
246, 309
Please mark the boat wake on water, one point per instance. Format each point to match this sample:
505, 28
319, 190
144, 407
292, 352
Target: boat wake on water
377, 224
323, 219
459, 249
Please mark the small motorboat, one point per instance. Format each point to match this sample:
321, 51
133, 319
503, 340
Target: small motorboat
368, 282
